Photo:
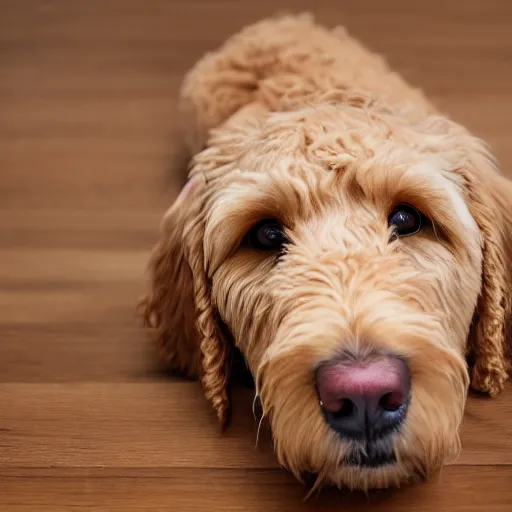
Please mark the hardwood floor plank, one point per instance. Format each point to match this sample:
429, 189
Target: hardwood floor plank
457, 489
72, 180
129, 230
112, 304
66, 266
126, 425
77, 353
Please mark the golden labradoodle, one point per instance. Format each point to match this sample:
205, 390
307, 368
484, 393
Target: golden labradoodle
350, 241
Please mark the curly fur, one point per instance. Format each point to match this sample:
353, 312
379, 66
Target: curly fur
292, 121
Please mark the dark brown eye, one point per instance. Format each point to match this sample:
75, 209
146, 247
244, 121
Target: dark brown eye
405, 220
267, 235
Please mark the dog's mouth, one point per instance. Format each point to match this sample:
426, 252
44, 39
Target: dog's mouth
371, 457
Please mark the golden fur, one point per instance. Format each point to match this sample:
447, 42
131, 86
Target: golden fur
292, 121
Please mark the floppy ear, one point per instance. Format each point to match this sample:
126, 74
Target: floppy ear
178, 305
490, 201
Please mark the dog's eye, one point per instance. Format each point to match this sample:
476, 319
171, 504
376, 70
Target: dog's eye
267, 235
405, 220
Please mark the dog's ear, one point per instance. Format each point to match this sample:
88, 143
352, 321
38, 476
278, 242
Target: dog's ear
178, 305
490, 202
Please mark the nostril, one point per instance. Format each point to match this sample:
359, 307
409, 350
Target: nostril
391, 401
346, 409
364, 399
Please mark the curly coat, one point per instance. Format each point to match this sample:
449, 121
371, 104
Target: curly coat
289, 120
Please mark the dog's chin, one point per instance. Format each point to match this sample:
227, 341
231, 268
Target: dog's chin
367, 466
370, 471
371, 457
370, 466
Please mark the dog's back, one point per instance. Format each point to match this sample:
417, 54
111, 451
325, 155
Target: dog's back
284, 61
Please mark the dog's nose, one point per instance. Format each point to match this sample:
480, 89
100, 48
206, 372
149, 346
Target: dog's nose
364, 401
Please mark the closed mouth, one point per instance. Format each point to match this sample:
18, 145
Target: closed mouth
370, 457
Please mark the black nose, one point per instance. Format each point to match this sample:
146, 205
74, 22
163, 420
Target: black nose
364, 401
364, 419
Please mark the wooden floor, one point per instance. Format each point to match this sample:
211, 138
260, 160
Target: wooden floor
90, 157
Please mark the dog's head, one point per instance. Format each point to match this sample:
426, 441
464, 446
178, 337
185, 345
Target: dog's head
355, 253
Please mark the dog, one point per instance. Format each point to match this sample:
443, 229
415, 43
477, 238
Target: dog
351, 242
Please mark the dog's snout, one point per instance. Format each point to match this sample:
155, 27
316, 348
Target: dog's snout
364, 401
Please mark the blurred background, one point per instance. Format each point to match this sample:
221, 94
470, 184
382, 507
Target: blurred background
90, 158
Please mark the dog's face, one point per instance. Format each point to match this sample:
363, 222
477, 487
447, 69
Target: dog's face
346, 264
346, 287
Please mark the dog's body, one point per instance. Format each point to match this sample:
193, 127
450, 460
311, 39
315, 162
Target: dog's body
351, 242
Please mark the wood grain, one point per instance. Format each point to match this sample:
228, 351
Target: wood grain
90, 158
218, 490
